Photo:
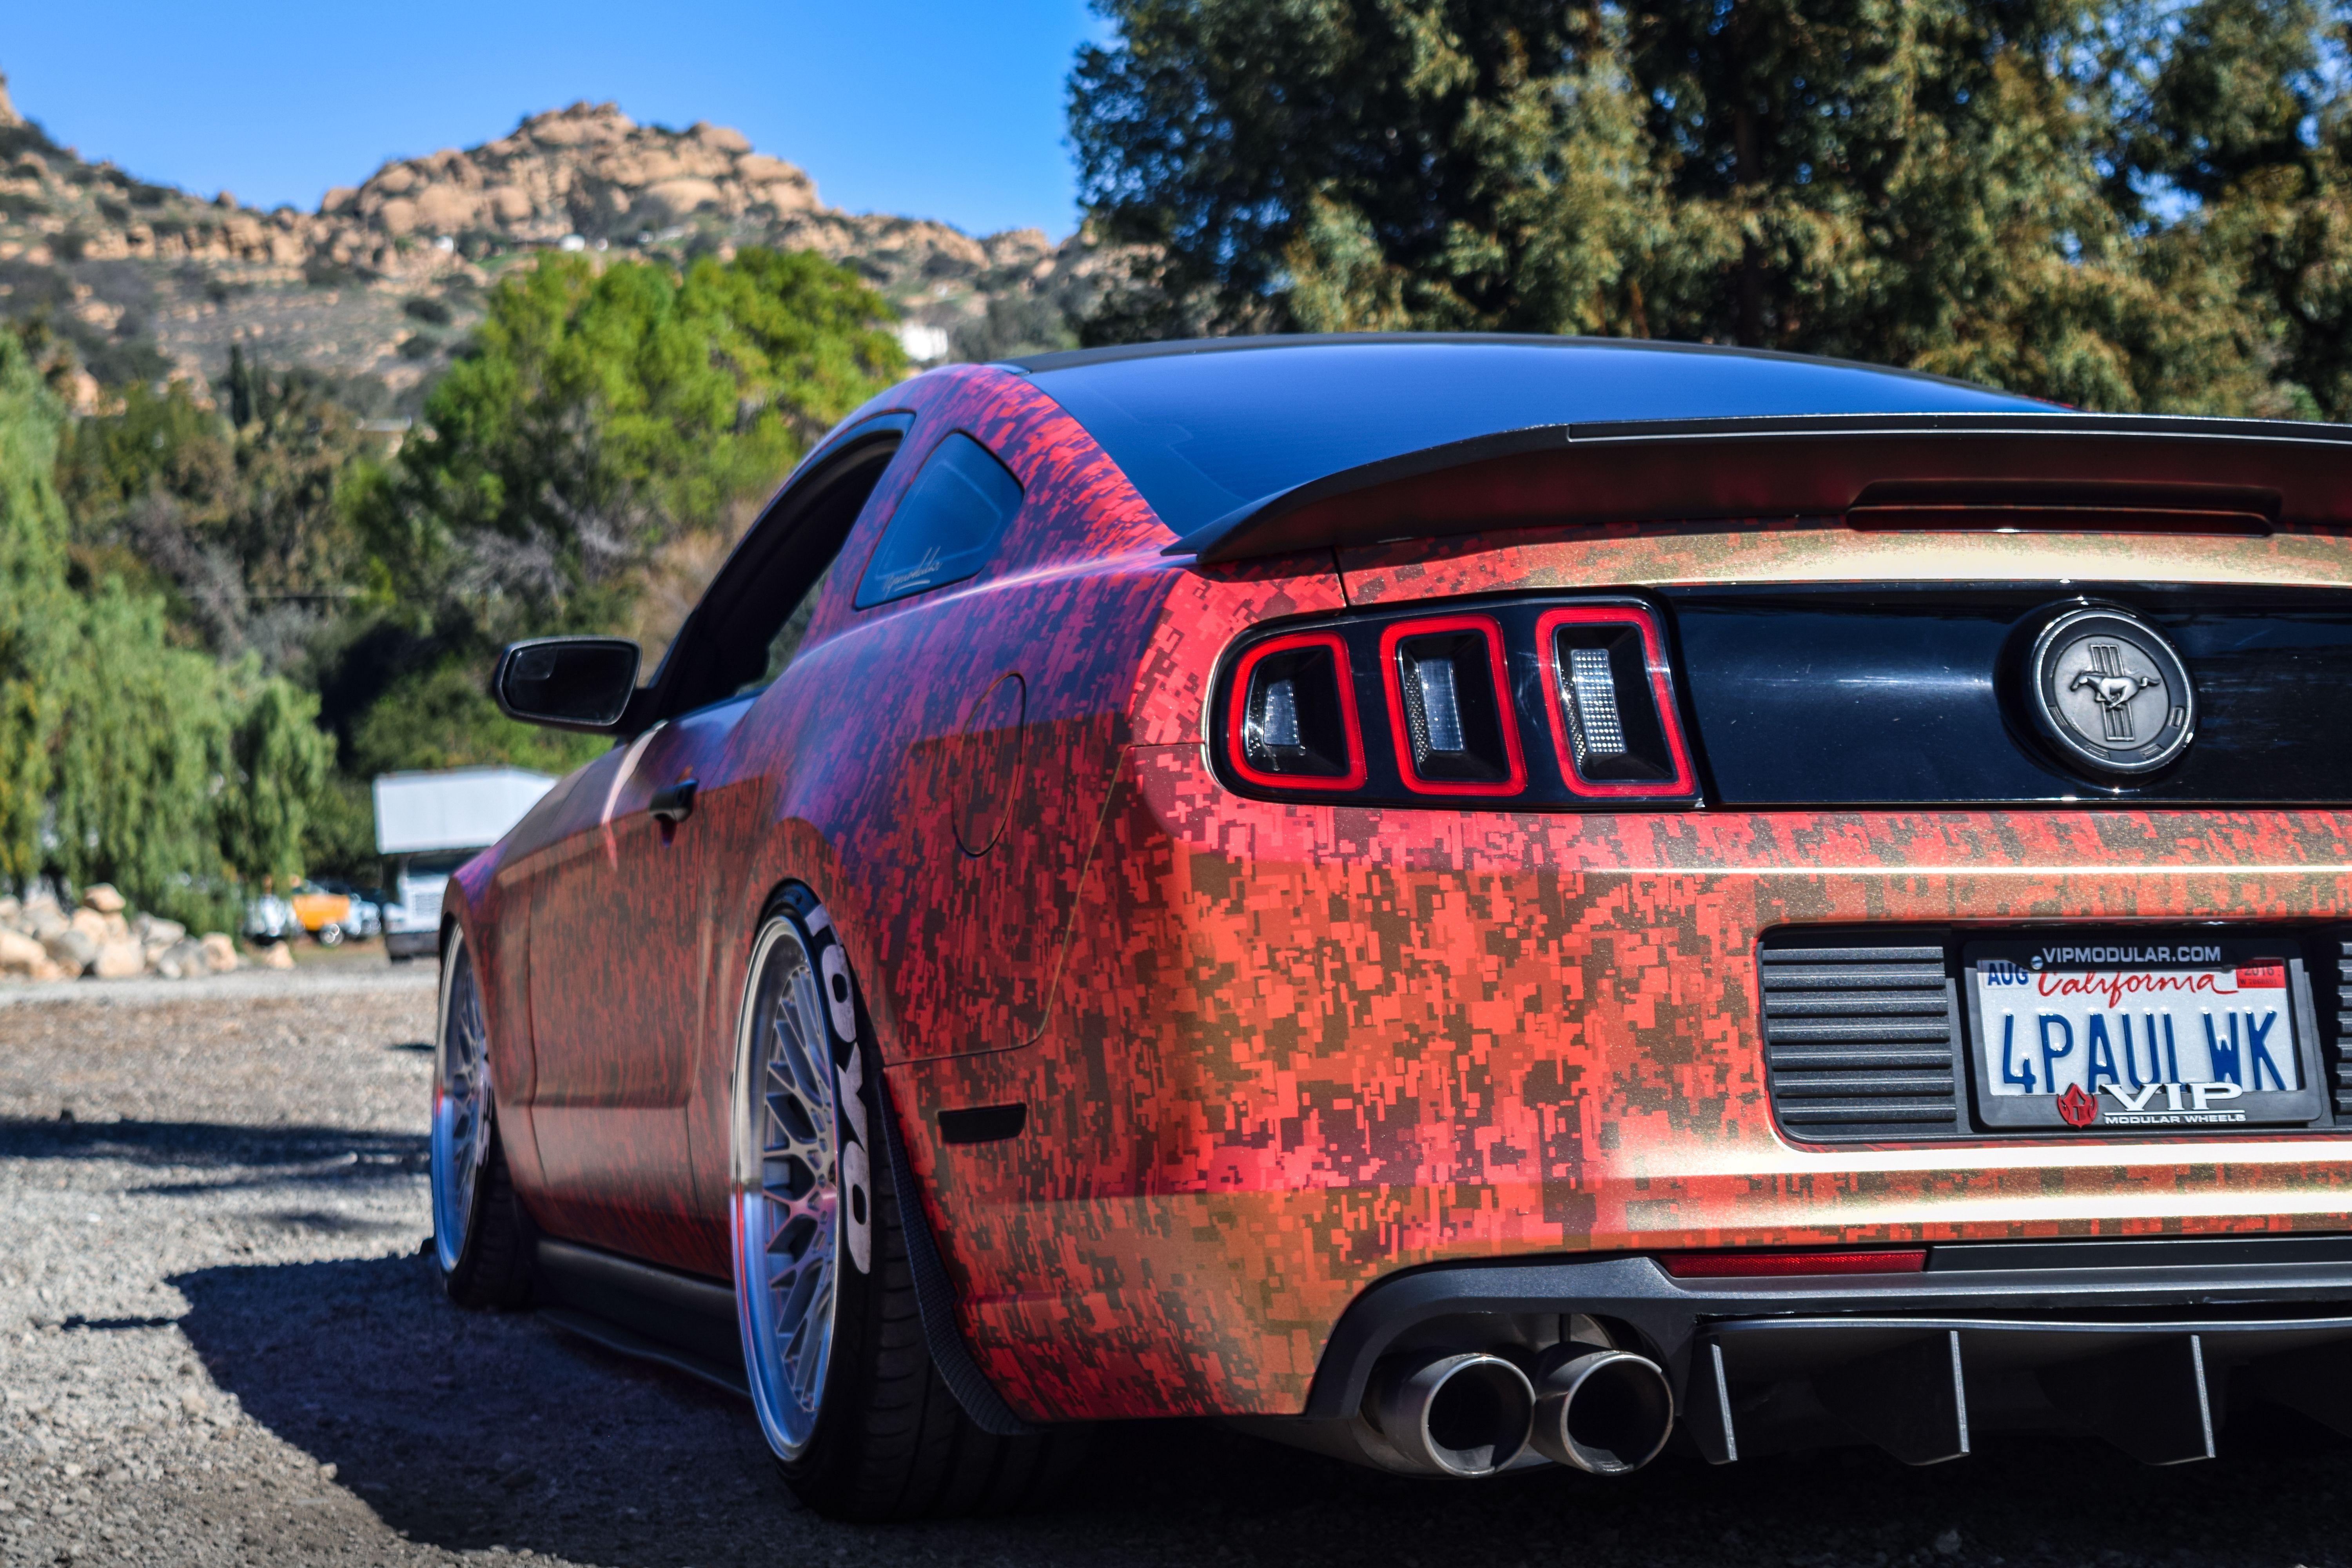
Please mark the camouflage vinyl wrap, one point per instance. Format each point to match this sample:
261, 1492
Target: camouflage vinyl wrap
1274, 1052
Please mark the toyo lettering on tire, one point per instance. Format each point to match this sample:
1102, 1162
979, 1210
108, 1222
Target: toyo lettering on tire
842, 1379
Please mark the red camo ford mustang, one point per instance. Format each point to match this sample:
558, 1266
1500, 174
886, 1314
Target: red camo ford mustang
1466, 902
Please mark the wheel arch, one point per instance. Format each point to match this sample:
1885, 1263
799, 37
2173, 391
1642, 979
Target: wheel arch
935, 1295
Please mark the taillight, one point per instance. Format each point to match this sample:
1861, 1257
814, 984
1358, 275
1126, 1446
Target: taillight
1541, 702
1610, 697
1449, 707
1294, 725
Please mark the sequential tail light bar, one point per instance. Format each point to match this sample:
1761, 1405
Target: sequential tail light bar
1610, 695
1780, 1265
1449, 700
1534, 702
1294, 725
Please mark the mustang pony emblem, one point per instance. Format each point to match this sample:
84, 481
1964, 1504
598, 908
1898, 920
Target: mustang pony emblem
2113, 686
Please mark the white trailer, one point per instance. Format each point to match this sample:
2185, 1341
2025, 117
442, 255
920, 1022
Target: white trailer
428, 824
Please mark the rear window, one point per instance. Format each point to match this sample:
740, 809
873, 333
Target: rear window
947, 525
1203, 433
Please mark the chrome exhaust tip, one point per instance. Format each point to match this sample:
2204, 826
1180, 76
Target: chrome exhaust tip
1454, 1413
1606, 1412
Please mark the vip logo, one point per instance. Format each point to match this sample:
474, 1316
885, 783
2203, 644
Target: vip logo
2076, 1109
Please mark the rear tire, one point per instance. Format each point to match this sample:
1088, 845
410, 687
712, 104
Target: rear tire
874, 1434
482, 1238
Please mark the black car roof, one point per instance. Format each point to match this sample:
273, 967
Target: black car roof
1206, 426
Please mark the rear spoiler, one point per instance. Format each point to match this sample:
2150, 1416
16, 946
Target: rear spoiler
1970, 469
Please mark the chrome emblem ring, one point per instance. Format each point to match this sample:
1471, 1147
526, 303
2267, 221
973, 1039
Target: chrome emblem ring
2109, 692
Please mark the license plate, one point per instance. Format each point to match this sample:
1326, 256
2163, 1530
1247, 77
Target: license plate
2165, 1032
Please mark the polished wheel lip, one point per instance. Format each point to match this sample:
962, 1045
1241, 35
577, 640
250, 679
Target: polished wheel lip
785, 1189
461, 1105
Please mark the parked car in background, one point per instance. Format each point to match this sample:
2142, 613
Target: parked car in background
270, 917
320, 912
362, 913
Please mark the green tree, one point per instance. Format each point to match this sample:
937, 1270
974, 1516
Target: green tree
601, 412
1933, 184
280, 763
34, 603
141, 744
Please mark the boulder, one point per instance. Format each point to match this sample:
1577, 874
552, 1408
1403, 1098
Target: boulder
41, 918
102, 897
12, 909
156, 935
219, 951
119, 961
20, 954
278, 955
71, 950
184, 960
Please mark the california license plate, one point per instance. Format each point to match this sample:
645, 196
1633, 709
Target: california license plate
2157, 1032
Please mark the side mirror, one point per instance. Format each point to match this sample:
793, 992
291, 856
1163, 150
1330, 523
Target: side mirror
567, 683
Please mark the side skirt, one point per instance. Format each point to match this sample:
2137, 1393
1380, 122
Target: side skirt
636, 1310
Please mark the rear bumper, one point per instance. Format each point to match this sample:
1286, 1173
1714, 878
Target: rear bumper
2142, 1343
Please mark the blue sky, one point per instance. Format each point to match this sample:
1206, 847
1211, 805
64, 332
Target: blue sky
929, 108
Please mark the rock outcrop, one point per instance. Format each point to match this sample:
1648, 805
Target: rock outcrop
386, 276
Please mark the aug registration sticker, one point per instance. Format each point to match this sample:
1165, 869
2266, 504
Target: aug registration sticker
2144, 1034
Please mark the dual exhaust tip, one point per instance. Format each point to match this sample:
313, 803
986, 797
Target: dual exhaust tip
1473, 1413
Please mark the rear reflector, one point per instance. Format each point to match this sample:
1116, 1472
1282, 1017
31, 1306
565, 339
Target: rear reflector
1448, 708
1611, 699
1295, 725
1761, 1264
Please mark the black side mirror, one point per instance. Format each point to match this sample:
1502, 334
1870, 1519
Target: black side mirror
567, 683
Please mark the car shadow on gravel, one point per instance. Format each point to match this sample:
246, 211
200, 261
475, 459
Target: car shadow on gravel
258, 1155
466, 1430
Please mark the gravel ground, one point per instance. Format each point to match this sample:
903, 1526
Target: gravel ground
219, 1346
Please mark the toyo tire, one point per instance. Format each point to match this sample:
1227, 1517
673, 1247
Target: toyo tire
482, 1238
852, 1405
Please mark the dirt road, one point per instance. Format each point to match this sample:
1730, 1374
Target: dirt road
218, 1345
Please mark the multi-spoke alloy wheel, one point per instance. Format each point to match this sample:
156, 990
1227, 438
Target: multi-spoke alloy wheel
788, 1186
481, 1237
461, 1091
863, 1423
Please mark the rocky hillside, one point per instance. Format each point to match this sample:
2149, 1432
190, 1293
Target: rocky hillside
380, 284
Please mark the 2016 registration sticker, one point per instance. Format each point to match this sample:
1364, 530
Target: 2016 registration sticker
2179, 1035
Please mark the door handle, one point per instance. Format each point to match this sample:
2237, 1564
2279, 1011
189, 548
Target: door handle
673, 804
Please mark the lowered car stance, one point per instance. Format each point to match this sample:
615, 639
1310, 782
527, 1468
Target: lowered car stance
1468, 903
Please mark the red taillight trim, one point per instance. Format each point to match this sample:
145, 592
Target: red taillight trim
1392, 685
1776, 1265
1662, 692
1237, 705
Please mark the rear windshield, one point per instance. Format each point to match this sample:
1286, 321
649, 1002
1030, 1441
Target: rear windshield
1201, 434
